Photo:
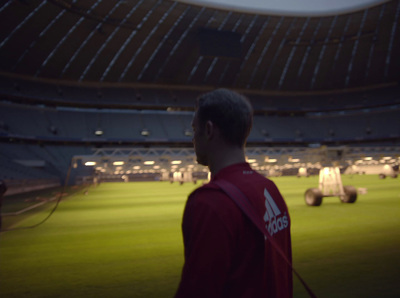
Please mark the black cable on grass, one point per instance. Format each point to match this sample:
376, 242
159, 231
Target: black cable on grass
51, 212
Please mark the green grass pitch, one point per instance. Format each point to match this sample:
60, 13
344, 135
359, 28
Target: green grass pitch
124, 240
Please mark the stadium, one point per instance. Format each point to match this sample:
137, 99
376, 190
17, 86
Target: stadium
96, 104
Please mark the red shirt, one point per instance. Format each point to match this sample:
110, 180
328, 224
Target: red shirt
225, 254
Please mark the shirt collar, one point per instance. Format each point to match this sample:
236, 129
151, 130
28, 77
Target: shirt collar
243, 166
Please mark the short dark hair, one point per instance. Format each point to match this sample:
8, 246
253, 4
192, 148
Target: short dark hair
231, 112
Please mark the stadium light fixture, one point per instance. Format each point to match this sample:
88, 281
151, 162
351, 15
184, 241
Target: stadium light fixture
149, 162
272, 160
118, 163
176, 162
145, 132
90, 163
251, 160
188, 133
98, 132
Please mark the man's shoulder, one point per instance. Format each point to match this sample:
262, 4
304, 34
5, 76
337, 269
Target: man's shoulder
210, 195
205, 191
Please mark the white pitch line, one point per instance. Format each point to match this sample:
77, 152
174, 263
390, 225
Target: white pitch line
28, 208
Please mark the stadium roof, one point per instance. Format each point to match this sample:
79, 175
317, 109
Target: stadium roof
173, 44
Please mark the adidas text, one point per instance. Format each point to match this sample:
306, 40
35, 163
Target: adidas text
277, 224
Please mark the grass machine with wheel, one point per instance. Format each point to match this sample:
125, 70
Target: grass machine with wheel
330, 185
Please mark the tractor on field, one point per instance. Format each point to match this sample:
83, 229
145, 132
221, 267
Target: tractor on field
389, 171
330, 185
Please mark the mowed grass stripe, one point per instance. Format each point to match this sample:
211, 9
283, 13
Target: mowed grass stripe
119, 240
124, 240
347, 250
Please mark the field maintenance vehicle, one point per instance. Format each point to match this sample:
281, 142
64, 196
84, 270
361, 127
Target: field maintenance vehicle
330, 185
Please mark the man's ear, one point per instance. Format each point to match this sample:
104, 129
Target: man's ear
210, 129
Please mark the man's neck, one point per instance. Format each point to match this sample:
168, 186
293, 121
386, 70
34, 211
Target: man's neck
226, 157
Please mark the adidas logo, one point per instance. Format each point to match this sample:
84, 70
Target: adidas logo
274, 222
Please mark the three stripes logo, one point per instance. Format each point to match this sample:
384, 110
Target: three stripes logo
274, 221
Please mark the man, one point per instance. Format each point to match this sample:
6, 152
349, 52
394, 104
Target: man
225, 254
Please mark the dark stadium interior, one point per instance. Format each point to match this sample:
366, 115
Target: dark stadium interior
132, 69
100, 91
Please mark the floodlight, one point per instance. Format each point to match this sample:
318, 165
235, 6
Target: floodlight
271, 160
251, 160
188, 132
118, 163
149, 162
90, 163
176, 162
145, 132
98, 132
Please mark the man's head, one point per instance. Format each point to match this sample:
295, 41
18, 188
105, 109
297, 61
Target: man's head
227, 111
